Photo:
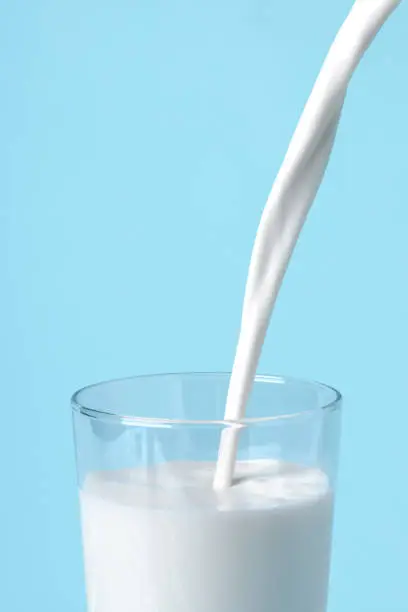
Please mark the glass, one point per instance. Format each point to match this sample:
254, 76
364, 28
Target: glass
157, 538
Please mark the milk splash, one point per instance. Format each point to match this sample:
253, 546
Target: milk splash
285, 212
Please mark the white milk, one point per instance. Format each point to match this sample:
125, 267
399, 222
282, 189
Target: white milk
292, 194
164, 541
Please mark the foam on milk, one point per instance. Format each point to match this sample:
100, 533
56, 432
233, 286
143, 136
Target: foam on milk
163, 540
292, 194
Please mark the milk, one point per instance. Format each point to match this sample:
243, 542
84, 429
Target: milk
163, 541
292, 194
169, 539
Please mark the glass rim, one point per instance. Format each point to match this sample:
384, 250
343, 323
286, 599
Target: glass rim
334, 402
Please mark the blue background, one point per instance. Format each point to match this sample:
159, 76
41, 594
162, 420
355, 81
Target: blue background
119, 115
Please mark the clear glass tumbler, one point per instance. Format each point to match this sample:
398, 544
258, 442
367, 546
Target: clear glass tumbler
158, 538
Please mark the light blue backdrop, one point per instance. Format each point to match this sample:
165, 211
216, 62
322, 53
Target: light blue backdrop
119, 115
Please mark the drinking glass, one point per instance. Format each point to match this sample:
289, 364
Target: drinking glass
158, 538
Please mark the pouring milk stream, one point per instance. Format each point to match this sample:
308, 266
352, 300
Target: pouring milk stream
285, 212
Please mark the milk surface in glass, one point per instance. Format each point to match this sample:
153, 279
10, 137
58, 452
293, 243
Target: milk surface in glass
161, 540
